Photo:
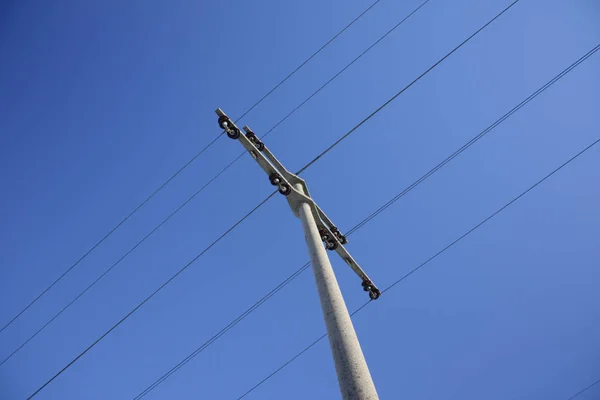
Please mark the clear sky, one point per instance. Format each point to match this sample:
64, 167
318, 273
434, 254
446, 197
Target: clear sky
102, 101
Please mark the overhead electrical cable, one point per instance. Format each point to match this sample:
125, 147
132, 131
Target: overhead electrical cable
585, 389
187, 164
130, 313
264, 201
198, 192
374, 214
440, 252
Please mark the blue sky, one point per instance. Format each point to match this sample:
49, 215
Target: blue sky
100, 102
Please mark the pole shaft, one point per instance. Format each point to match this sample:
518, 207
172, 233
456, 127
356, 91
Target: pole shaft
351, 367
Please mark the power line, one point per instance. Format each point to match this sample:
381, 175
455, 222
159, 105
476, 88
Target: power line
151, 295
408, 86
105, 237
264, 201
206, 185
582, 391
375, 43
135, 210
308, 59
367, 219
431, 259
215, 337
224, 330
486, 131
494, 214
288, 362
105, 272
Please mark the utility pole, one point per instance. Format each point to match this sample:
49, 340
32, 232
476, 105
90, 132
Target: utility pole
351, 367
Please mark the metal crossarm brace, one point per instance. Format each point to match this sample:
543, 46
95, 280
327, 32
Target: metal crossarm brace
288, 185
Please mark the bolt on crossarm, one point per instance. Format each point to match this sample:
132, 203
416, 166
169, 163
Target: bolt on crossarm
351, 367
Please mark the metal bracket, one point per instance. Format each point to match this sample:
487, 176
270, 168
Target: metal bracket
286, 183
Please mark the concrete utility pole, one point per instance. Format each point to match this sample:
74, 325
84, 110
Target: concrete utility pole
351, 367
